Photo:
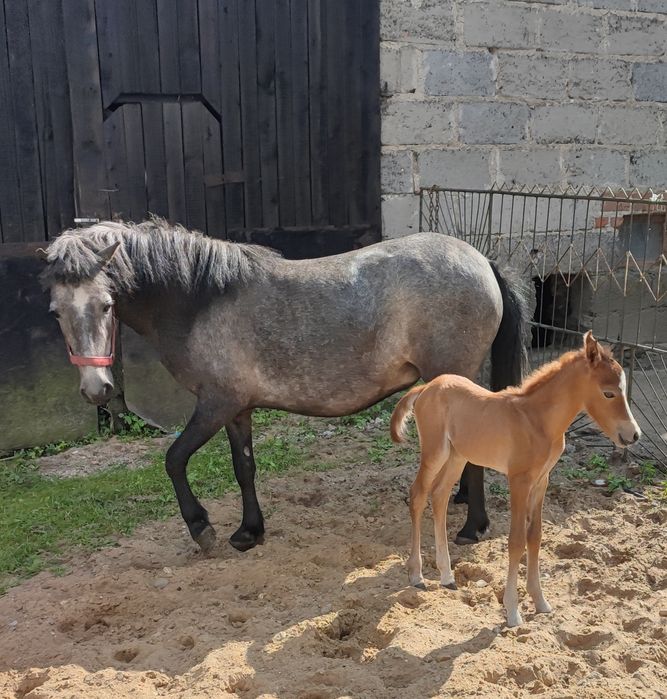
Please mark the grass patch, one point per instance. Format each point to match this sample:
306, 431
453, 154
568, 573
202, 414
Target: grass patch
43, 519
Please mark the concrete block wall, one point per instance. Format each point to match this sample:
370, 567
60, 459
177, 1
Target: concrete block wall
552, 92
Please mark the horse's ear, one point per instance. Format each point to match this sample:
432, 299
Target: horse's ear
42, 254
592, 348
106, 254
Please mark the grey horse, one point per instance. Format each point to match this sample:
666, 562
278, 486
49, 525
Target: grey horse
243, 328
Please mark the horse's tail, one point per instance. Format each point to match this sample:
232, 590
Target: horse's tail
402, 413
508, 352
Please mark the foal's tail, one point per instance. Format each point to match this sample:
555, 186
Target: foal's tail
402, 413
508, 352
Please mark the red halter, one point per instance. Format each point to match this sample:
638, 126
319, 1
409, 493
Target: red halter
80, 360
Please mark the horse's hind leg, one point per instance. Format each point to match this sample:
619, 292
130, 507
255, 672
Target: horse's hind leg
477, 521
440, 500
202, 426
251, 531
534, 538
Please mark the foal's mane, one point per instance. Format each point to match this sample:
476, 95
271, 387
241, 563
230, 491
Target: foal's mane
153, 252
546, 372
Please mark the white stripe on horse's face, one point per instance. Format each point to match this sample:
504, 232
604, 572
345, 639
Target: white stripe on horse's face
623, 384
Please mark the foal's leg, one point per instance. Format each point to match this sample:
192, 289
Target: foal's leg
203, 424
428, 470
534, 539
477, 521
251, 531
439, 500
519, 493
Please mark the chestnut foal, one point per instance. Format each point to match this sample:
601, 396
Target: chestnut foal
520, 432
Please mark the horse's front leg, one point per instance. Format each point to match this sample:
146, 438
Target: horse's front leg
203, 424
251, 531
477, 521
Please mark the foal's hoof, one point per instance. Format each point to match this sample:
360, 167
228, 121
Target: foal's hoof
244, 540
449, 586
206, 539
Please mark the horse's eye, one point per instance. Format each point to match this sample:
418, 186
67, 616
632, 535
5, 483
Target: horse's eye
107, 307
608, 394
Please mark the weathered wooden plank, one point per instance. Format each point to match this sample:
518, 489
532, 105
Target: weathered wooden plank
215, 197
47, 20
10, 203
188, 47
148, 53
193, 164
86, 103
353, 100
210, 38
155, 159
25, 124
173, 145
134, 154
317, 78
266, 102
109, 46
370, 87
336, 74
284, 113
231, 112
170, 76
300, 113
115, 152
249, 109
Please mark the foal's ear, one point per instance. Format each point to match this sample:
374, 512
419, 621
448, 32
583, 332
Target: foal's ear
106, 254
592, 348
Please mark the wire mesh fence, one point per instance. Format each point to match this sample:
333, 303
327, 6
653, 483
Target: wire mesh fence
596, 259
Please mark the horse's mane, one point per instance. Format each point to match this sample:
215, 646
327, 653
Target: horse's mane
155, 253
546, 372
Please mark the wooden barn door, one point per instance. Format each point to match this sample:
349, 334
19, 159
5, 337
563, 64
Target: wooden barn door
247, 119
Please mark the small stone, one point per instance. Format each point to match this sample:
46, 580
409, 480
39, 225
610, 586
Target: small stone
599, 482
13, 625
160, 583
481, 583
167, 571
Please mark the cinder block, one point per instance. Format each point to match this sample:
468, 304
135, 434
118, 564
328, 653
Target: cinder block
457, 73
503, 26
652, 6
426, 20
567, 123
599, 78
493, 122
400, 215
397, 172
628, 125
649, 169
565, 31
532, 76
416, 122
398, 68
454, 168
641, 35
595, 167
535, 166
625, 5
649, 81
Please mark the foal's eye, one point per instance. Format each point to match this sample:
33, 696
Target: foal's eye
107, 307
608, 394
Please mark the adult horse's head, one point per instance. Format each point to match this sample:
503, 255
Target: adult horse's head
607, 400
82, 299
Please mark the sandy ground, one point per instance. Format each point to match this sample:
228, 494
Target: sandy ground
323, 609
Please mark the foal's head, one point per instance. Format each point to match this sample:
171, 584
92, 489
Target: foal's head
606, 399
81, 300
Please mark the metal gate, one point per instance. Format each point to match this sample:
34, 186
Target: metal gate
597, 260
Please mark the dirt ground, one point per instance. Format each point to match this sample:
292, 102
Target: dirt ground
323, 609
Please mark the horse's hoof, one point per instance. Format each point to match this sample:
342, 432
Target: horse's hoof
206, 539
420, 585
449, 586
465, 540
244, 540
